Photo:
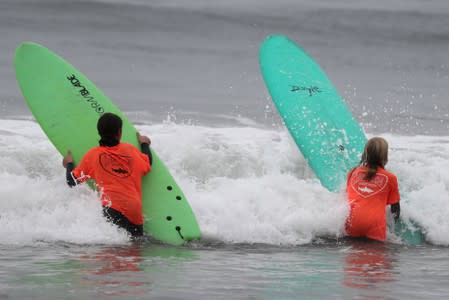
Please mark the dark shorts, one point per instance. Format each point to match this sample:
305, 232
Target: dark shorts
117, 218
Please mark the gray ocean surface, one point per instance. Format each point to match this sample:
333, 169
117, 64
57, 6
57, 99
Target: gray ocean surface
187, 74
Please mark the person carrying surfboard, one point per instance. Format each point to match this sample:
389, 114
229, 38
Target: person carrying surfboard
369, 189
117, 169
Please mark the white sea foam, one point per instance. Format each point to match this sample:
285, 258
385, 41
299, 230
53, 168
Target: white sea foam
245, 185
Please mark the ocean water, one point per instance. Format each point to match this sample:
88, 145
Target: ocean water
186, 73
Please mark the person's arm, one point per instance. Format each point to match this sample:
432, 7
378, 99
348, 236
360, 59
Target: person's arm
394, 198
396, 211
145, 143
145, 148
71, 180
68, 164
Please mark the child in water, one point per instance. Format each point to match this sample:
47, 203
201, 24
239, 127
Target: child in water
370, 188
117, 169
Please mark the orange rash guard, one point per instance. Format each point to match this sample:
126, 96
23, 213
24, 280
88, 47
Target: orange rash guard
367, 201
117, 171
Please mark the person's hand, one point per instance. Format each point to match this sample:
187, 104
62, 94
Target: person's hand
143, 138
396, 217
67, 159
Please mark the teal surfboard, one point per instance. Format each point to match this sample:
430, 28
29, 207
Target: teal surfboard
314, 113
67, 105
319, 121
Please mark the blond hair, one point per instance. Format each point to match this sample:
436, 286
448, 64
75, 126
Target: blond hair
374, 155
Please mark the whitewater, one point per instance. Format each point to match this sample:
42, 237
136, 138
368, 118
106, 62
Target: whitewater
245, 184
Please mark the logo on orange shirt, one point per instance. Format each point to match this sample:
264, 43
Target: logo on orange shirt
370, 188
117, 165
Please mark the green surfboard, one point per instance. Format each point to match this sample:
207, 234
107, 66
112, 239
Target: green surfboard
316, 116
67, 106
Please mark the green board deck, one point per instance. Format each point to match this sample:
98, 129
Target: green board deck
316, 116
67, 106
